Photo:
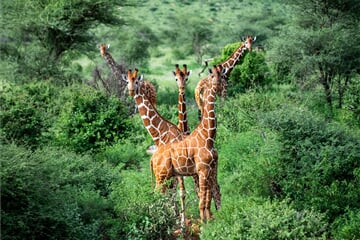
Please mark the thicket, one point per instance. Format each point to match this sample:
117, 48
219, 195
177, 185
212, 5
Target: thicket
316, 153
79, 118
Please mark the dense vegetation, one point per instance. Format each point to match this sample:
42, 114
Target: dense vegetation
72, 153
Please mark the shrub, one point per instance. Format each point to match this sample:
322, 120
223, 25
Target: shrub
347, 226
318, 162
143, 214
26, 113
90, 120
124, 154
263, 219
250, 74
249, 162
52, 194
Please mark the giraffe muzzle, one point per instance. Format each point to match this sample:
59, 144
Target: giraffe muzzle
132, 93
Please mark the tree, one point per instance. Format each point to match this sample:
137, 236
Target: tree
323, 42
195, 41
38, 34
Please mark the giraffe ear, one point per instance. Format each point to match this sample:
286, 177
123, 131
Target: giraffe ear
173, 73
209, 70
124, 77
223, 71
254, 39
97, 45
243, 39
189, 72
141, 77
108, 46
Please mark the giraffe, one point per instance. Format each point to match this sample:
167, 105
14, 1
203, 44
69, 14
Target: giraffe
229, 64
181, 77
161, 130
118, 73
195, 154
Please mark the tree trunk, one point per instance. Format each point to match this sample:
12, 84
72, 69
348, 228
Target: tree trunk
325, 80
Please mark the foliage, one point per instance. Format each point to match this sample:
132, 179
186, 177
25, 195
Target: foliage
249, 162
52, 194
143, 213
125, 154
91, 120
250, 72
315, 153
53, 32
197, 36
347, 226
264, 219
322, 43
58, 25
27, 112
137, 47
239, 113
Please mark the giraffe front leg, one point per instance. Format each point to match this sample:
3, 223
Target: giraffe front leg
182, 199
208, 213
196, 184
202, 197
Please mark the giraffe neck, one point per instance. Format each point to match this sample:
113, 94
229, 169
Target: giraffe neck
113, 65
234, 59
160, 130
207, 126
183, 124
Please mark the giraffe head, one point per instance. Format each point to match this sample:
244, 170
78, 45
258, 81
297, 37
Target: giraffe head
248, 42
216, 73
181, 76
133, 81
103, 48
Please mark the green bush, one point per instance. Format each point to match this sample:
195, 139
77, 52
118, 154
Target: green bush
246, 218
90, 120
27, 112
248, 161
143, 214
319, 161
347, 226
250, 72
124, 154
239, 113
52, 194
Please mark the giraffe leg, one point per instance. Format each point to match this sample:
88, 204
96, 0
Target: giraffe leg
202, 196
215, 188
215, 191
182, 199
208, 214
196, 184
173, 186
